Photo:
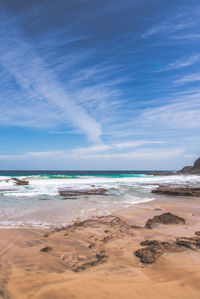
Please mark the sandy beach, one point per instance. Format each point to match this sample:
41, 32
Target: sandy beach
99, 149
97, 260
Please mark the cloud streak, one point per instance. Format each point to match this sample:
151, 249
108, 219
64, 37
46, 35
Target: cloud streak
18, 56
188, 78
178, 64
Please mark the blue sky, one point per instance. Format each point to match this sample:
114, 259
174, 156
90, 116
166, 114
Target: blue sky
94, 84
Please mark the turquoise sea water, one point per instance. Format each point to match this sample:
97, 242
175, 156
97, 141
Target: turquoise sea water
40, 204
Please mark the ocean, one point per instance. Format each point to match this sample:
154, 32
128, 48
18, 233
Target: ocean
39, 204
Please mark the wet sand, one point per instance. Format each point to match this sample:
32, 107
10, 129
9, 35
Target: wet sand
96, 260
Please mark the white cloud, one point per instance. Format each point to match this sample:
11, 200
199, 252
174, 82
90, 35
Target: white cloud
102, 148
181, 114
188, 78
66, 157
18, 56
176, 24
165, 26
182, 63
187, 36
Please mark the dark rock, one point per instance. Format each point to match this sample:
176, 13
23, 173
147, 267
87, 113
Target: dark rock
195, 169
186, 169
197, 233
69, 198
149, 254
182, 191
74, 192
186, 243
155, 249
20, 182
150, 242
189, 242
45, 235
82, 264
167, 246
158, 209
46, 249
196, 165
112, 222
165, 218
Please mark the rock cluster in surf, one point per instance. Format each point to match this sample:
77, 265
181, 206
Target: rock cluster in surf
177, 191
20, 182
69, 192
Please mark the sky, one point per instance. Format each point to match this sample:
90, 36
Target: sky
99, 84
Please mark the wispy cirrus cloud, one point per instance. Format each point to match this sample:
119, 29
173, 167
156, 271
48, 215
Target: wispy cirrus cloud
181, 63
181, 113
164, 26
188, 78
20, 59
124, 160
78, 69
187, 36
116, 147
176, 24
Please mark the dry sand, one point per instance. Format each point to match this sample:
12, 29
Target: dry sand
104, 254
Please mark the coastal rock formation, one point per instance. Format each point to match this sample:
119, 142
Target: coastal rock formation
149, 254
93, 236
117, 227
181, 191
83, 262
189, 242
195, 169
155, 249
165, 218
75, 192
196, 165
20, 182
185, 170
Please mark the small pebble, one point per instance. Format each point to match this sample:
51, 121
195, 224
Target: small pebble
45, 235
46, 249
158, 209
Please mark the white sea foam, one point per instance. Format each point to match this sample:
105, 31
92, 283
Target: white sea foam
39, 203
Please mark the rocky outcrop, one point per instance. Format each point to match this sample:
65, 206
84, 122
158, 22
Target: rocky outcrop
165, 218
76, 192
186, 169
114, 225
155, 249
93, 250
195, 169
196, 165
181, 191
20, 182
83, 262
189, 242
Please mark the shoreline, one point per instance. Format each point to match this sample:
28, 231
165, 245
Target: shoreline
97, 260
